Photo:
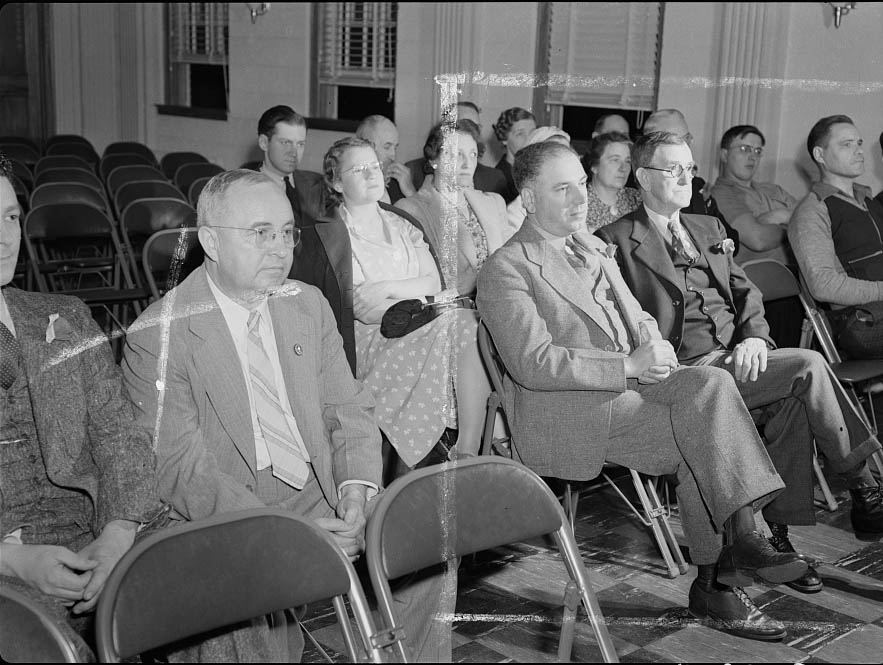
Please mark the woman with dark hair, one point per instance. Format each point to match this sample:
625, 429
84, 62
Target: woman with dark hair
431, 378
451, 210
609, 162
512, 130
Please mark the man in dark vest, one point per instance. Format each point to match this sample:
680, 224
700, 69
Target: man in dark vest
282, 136
681, 269
836, 234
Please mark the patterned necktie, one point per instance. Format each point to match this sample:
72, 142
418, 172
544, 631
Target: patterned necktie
286, 447
582, 253
680, 241
10, 354
293, 198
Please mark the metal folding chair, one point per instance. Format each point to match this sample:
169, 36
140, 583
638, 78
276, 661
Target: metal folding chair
22, 152
67, 138
652, 514
62, 162
77, 148
776, 279
445, 511
144, 217
187, 580
172, 160
110, 161
145, 189
132, 148
168, 257
196, 189
29, 635
69, 174
68, 192
187, 174
135, 173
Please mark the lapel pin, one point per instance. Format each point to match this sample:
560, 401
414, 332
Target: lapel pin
298, 350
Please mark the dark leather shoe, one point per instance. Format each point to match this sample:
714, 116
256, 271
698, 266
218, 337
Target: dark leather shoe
753, 555
867, 512
810, 582
732, 611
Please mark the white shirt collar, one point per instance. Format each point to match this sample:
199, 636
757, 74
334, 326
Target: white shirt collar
661, 221
275, 177
5, 315
235, 314
555, 241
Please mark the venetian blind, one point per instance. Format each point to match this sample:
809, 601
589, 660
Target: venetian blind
358, 43
198, 32
603, 54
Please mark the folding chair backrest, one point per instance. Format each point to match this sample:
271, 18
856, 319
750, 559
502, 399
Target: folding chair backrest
23, 171
820, 325
67, 138
23, 153
168, 257
139, 172
19, 140
82, 150
430, 516
492, 361
29, 634
62, 162
69, 175
22, 192
188, 173
67, 192
773, 278
171, 161
145, 189
132, 148
110, 161
187, 580
196, 189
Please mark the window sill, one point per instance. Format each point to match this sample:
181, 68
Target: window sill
332, 125
192, 112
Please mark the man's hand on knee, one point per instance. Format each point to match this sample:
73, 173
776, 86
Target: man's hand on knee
750, 358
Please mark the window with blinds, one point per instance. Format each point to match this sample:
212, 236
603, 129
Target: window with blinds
604, 54
356, 55
197, 35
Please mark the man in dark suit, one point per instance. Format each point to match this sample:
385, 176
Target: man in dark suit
384, 136
282, 136
591, 380
485, 178
681, 269
241, 374
77, 475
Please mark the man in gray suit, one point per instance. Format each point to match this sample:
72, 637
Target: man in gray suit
241, 376
591, 380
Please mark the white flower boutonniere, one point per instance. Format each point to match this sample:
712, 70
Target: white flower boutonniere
725, 247
58, 329
610, 251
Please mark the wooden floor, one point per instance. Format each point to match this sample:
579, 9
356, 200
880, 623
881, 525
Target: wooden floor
645, 611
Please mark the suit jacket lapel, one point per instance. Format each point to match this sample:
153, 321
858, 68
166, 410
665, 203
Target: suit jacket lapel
293, 330
717, 262
216, 356
650, 249
483, 207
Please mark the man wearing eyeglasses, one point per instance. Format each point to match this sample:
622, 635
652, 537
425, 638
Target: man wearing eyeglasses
681, 269
760, 211
239, 376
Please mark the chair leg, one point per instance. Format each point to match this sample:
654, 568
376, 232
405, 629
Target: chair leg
487, 437
571, 502
661, 511
823, 484
654, 515
568, 622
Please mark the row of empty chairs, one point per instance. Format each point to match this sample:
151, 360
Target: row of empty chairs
146, 605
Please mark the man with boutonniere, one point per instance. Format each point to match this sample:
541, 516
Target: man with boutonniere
76, 476
680, 267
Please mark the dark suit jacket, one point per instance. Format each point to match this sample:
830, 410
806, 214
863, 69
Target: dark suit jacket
312, 194
84, 419
485, 178
204, 437
648, 270
324, 258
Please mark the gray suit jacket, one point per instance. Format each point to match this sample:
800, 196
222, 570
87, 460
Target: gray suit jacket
563, 374
187, 383
84, 421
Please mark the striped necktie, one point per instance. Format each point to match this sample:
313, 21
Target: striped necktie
680, 241
10, 354
286, 447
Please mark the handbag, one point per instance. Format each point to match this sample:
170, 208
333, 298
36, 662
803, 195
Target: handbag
406, 316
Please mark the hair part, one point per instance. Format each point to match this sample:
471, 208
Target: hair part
273, 116
212, 204
529, 161
333, 158
645, 147
436, 139
599, 145
820, 133
508, 118
738, 132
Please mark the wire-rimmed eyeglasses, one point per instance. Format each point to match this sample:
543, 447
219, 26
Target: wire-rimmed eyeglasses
746, 149
363, 169
264, 237
676, 170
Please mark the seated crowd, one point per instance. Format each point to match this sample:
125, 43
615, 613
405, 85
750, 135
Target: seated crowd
612, 286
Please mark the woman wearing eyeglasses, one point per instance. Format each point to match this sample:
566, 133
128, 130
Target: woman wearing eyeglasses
609, 162
432, 378
452, 211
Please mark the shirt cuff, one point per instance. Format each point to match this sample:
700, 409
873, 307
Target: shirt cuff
372, 491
